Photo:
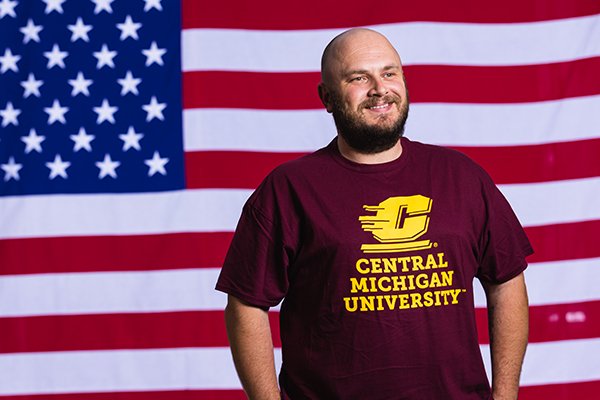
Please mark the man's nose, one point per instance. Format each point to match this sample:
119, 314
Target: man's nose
378, 88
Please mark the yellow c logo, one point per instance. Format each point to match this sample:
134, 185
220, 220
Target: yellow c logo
397, 223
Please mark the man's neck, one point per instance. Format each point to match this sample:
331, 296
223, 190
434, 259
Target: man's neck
376, 158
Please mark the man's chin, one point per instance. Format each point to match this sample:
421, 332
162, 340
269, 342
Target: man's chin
372, 148
383, 123
371, 140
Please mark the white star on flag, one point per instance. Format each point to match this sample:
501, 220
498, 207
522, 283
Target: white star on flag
154, 54
56, 57
156, 164
54, 5
102, 5
129, 28
58, 167
152, 4
82, 140
31, 86
9, 115
9, 61
31, 31
56, 113
107, 167
11, 170
80, 31
129, 84
105, 57
154, 109
33, 141
105, 112
131, 139
80, 85
7, 7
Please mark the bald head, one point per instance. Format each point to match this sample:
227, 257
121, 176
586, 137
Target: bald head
352, 45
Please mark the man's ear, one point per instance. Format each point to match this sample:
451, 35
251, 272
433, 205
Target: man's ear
325, 97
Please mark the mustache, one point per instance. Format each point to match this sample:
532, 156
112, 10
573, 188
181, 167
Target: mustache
378, 101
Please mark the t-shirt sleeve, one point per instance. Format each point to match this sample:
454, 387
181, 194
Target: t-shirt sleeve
503, 242
255, 267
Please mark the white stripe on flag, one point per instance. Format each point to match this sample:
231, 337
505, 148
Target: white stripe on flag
447, 124
257, 130
564, 361
553, 202
78, 215
118, 370
553, 282
417, 43
208, 210
86, 293
212, 368
218, 210
193, 289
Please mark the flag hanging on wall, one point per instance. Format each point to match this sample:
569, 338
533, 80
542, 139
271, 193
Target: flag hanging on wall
132, 132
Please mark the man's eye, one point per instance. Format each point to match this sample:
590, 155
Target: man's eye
359, 78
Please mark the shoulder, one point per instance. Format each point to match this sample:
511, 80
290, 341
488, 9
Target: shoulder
439, 153
287, 178
451, 160
299, 169
303, 164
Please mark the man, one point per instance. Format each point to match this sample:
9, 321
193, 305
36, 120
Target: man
373, 243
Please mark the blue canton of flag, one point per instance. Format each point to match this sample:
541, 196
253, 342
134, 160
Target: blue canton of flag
90, 96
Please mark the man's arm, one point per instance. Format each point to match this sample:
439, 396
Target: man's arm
508, 315
249, 335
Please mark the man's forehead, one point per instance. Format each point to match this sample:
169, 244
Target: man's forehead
352, 49
377, 52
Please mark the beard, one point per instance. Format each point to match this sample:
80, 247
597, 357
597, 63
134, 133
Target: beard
370, 138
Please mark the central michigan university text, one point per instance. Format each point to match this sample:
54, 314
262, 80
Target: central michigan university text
402, 283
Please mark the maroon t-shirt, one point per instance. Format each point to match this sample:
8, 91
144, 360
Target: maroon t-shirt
375, 264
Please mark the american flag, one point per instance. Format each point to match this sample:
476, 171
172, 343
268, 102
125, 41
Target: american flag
132, 131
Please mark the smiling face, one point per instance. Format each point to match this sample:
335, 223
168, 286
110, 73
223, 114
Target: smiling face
363, 87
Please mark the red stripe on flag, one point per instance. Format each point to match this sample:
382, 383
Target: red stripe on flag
231, 169
567, 241
208, 249
118, 331
427, 84
506, 164
538, 163
576, 390
513, 84
554, 322
155, 395
113, 253
271, 14
563, 391
254, 90
207, 329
